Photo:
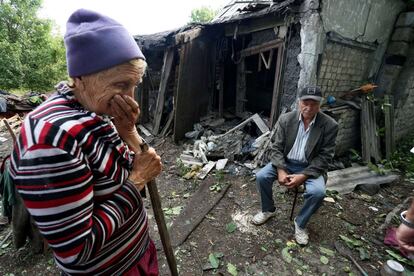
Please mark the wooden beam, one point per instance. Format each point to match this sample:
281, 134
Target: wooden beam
274, 113
199, 205
188, 36
221, 91
255, 25
255, 118
389, 125
261, 48
241, 88
369, 136
165, 74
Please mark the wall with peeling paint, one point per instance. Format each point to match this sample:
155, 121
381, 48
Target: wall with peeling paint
366, 21
334, 28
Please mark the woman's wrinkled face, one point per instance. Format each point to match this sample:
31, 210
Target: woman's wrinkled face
96, 91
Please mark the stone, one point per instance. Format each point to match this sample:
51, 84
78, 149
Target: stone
405, 34
389, 75
398, 48
406, 19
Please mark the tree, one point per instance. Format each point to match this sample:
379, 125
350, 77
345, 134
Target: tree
202, 15
31, 57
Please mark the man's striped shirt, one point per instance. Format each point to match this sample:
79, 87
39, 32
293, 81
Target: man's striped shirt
297, 152
71, 169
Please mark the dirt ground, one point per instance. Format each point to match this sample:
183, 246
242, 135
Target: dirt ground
226, 238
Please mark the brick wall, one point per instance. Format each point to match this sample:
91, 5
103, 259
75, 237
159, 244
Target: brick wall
343, 68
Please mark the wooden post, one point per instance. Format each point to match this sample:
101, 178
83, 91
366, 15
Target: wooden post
274, 113
221, 91
389, 125
165, 74
365, 148
241, 87
369, 137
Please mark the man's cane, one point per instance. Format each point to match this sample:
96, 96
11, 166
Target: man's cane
159, 218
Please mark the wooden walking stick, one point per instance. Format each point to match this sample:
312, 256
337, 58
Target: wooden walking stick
159, 218
294, 203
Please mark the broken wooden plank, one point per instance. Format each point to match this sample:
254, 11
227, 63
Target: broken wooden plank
206, 169
221, 163
168, 124
190, 160
12, 134
394, 213
187, 36
256, 118
274, 114
258, 159
200, 204
260, 123
165, 74
261, 48
144, 130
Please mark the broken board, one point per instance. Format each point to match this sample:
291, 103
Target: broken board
206, 169
200, 204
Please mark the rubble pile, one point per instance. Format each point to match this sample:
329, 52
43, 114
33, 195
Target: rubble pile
13, 103
243, 144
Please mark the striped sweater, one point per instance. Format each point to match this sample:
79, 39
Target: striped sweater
71, 169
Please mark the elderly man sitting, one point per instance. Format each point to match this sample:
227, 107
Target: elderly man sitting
303, 147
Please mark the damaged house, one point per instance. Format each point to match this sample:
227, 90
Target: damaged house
255, 56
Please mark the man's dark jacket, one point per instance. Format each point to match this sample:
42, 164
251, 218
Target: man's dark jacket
319, 149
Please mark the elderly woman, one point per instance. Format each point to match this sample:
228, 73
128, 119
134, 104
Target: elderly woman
77, 163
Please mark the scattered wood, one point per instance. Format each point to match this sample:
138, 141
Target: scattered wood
12, 134
221, 164
6, 238
206, 169
258, 160
255, 118
200, 204
144, 130
190, 160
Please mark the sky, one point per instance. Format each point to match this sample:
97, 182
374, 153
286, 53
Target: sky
139, 17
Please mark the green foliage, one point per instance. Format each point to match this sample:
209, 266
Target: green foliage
232, 269
202, 15
31, 57
402, 159
231, 227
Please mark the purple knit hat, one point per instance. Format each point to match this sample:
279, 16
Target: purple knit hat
95, 42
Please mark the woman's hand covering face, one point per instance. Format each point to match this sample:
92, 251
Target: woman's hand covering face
125, 111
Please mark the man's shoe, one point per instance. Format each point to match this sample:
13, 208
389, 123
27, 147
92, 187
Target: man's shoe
301, 235
262, 217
